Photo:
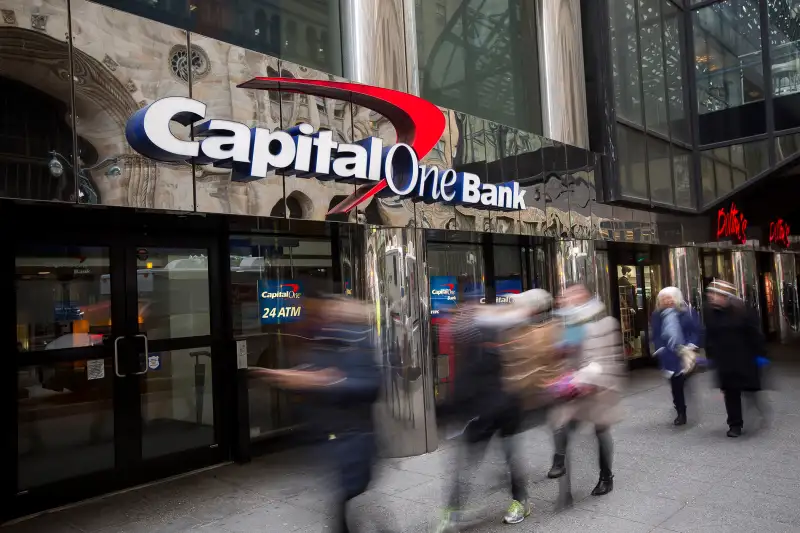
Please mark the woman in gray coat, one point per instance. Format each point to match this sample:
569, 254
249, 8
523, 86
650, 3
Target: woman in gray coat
593, 347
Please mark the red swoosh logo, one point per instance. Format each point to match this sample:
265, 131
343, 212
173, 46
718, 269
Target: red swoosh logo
452, 287
418, 123
294, 287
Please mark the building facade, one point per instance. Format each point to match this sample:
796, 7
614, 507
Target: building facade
137, 284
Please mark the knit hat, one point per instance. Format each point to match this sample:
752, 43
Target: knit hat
723, 288
536, 300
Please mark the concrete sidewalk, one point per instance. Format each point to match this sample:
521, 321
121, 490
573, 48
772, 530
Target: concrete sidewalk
690, 479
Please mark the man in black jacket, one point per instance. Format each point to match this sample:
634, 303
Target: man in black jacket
734, 342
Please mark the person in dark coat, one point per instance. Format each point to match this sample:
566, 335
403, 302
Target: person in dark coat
734, 342
342, 380
484, 401
676, 336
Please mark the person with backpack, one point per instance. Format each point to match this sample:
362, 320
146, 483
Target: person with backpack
676, 336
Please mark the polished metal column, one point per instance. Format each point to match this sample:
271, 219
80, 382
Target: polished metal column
561, 72
575, 263
374, 42
745, 277
786, 281
685, 273
397, 287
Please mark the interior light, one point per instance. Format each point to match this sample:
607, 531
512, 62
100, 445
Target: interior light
43, 273
149, 264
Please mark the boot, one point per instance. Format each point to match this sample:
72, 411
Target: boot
564, 503
734, 432
559, 467
681, 419
604, 486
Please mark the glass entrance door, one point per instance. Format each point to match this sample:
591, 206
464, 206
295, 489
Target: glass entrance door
114, 362
638, 287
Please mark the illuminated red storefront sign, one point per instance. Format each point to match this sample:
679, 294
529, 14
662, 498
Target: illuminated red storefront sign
779, 233
731, 224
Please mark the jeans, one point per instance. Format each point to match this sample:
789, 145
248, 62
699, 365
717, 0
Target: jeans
476, 438
678, 383
353, 454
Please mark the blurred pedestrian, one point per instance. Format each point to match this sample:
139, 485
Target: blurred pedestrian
676, 336
482, 397
734, 344
592, 346
342, 381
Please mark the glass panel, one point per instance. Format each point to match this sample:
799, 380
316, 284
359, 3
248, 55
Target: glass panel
121, 64
63, 297
631, 151
625, 60
66, 421
480, 58
456, 276
676, 69
629, 294
709, 187
655, 104
303, 31
730, 84
756, 158
275, 264
177, 402
723, 172
507, 272
36, 139
681, 167
660, 171
173, 292
787, 146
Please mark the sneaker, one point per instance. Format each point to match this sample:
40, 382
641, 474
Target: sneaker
517, 512
452, 521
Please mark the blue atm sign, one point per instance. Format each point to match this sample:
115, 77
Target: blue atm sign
279, 302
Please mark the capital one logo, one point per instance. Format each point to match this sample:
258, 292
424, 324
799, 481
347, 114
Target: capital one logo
448, 290
292, 291
377, 169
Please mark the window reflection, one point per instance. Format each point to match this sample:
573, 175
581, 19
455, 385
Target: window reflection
660, 171
63, 297
632, 162
480, 58
301, 31
730, 80
673, 51
784, 40
625, 54
655, 104
681, 167
725, 169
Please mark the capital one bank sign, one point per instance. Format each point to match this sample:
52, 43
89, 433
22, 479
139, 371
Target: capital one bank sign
375, 168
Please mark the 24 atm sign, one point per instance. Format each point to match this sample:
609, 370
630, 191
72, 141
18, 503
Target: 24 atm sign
279, 302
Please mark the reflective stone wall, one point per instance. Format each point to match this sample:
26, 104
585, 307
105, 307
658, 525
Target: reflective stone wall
77, 81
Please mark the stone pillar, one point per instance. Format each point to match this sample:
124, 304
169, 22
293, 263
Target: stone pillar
561, 72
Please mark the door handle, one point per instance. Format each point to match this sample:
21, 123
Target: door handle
116, 357
146, 356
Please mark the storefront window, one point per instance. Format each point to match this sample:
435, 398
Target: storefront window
480, 58
455, 275
271, 278
279, 28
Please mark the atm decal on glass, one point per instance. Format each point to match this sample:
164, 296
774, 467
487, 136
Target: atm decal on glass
279, 302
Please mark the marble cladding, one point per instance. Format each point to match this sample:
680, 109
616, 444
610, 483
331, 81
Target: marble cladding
121, 62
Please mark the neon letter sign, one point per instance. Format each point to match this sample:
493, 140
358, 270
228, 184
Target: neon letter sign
779, 233
731, 224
